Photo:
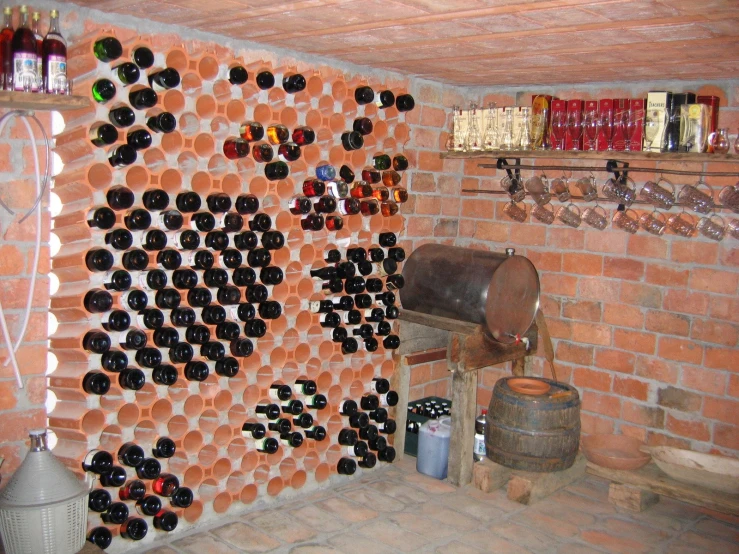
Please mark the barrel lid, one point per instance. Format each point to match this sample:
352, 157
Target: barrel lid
512, 299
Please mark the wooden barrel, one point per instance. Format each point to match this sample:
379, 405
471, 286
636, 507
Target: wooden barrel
533, 433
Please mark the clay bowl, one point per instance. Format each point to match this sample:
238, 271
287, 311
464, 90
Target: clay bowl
532, 387
614, 451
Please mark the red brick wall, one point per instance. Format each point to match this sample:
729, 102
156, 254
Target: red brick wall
645, 327
21, 409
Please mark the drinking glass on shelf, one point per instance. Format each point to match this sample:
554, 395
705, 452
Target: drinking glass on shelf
620, 124
681, 224
654, 223
474, 139
713, 227
633, 118
658, 195
450, 144
569, 215
559, 128
490, 141
623, 220
506, 141
587, 188
574, 128
696, 199
515, 212
561, 188
651, 126
729, 197
720, 141
524, 140
543, 214
606, 126
596, 216
736, 143
591, 126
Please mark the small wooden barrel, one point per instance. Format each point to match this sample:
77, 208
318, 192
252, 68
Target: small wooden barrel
533, 433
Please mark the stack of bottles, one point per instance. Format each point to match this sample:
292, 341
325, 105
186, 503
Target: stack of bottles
142, 495
32, 62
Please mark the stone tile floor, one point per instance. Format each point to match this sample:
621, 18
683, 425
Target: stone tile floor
397, 510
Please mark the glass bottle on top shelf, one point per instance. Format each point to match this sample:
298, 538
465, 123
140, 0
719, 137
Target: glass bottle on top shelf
451, 140
524, 140
507, 140
719, 141
473, 141
490, 140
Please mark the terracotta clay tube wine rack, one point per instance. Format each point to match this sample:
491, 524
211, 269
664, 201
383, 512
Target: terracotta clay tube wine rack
204, 419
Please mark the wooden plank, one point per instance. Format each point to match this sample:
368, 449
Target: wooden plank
527, 487
493, 155
415, 337
438, 322
41, 102
650, 477
518, 367
472, 352
489, 476
400, 383
630, 498
464, 408
433, 355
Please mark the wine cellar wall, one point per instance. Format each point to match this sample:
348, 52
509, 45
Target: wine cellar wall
204, 416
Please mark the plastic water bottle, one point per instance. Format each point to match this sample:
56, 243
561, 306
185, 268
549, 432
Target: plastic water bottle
479, 448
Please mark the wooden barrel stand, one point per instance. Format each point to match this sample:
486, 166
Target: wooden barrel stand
467, 350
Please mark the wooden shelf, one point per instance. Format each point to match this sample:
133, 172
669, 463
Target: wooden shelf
651, 478
41, 102
570, 155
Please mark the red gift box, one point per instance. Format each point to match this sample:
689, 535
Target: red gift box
712, 102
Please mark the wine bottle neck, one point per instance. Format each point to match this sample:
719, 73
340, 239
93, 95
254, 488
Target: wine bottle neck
54, 25
24, 19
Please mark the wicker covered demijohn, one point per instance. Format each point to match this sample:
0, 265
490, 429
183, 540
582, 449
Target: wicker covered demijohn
43, 508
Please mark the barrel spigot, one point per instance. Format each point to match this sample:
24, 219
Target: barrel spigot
510, 252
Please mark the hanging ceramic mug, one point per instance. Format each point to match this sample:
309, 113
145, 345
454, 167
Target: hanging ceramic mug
696, 199
657, 194
629, 223
515, 212
654, 223
711, 228
587, 188
619, 191
729, 197
569, 215
543, 214
596, 216
681, 224
538, 188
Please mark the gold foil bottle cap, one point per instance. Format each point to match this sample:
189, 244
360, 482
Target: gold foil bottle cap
54, 13
24, 9
36, 16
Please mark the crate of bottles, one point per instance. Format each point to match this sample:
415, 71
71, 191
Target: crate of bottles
419, 412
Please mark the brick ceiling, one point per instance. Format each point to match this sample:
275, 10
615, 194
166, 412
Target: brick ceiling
482, 42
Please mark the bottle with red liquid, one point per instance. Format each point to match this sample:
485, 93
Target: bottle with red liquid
25, 56
54, 52
35, 19
235, 148
6, 49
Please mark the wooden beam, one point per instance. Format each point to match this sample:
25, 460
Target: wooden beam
651, 478
425, 357
400, 383
438, 322
464, 409
472, 352
49, 102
